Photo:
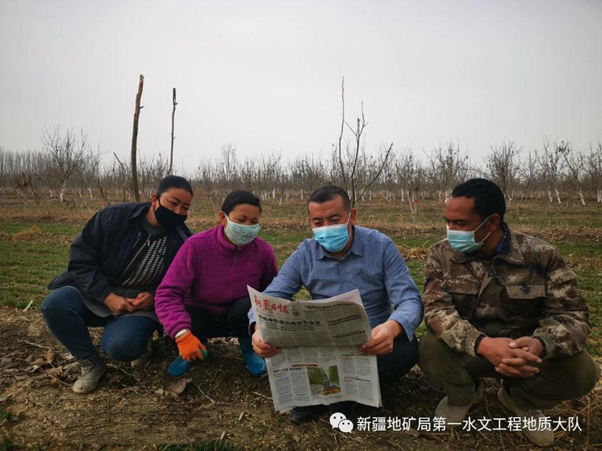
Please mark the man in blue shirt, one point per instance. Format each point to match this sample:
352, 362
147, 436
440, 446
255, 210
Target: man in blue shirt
343, 257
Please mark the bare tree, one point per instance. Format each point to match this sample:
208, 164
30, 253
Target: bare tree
135, 139
205, 176
105, 177
411, 175
122, 172
502, 166
270, 174
529, 174
27, 175
348, 161
248, 174
7, 166
593, 169
551, 164
152, 170
448, 167
575, 164
173, 118
89, 171
228, 166
309, 173
371, 169
66, 154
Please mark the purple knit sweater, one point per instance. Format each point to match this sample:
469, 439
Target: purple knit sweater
209, 273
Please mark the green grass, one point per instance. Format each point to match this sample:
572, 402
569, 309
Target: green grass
8, 416
7, 443
26, 267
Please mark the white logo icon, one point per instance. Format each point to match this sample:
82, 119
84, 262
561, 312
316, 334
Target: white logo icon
339, 421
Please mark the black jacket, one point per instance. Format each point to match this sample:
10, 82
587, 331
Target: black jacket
98, 255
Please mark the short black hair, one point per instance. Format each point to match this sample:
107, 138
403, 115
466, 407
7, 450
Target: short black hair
488, 197
239, 197
174, 181
327, 193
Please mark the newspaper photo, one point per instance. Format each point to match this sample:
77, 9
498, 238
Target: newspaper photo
319, 362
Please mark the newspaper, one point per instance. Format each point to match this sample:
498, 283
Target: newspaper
319, 362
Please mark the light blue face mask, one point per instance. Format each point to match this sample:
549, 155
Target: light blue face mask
241, 234
333, 238
463, 241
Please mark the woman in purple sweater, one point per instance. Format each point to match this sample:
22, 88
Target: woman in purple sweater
204, 293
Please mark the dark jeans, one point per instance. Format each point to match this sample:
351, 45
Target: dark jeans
558, 379
235, 324
397, 363
124, 338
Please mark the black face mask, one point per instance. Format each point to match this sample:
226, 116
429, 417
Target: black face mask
167, 218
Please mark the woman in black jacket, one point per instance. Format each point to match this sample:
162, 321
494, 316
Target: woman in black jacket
115, 265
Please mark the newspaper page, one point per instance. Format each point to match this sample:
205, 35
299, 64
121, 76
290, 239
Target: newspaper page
319, 362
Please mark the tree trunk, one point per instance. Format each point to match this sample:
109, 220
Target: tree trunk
581, 197
413, 206
62, 192
173, 117
135, 140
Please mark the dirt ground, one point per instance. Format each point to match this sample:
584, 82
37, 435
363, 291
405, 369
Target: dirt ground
146, 409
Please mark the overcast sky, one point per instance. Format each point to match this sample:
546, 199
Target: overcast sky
266, 75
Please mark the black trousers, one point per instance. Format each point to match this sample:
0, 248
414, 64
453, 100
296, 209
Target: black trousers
396, 364
236, 323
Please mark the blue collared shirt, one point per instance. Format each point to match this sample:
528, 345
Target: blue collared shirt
373, 265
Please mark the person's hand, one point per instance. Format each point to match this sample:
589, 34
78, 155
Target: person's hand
529, 344
190, 347
510, 361
262, 349
519, 366
119, 304
383, 336
144, 301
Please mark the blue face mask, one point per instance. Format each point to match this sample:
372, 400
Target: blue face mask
332, 238
464, 241
241, 234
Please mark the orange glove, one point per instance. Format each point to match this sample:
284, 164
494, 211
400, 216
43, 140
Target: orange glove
190, 347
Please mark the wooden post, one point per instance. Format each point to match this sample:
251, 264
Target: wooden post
173, 116
135, 140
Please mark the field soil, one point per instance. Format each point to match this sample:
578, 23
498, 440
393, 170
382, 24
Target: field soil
147, 409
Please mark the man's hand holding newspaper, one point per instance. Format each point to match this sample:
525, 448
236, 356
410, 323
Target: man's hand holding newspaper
320, 351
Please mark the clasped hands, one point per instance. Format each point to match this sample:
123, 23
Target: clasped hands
121, 304
381, 343
512, 358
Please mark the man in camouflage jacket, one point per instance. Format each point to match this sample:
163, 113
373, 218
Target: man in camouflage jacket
501, 304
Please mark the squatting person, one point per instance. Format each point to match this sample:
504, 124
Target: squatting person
115, 265
204, 294
502, 304
342, 257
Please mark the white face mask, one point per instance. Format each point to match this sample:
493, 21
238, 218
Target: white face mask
464, 241
241, 234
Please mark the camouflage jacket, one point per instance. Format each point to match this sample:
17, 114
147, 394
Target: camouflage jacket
524, 290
